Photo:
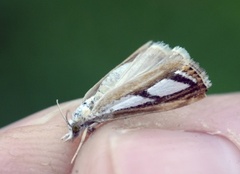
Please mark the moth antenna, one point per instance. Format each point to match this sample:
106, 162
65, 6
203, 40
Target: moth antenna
83, 138
64, 117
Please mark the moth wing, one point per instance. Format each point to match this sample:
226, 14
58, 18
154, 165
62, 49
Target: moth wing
133, 66
153, 81
92, 91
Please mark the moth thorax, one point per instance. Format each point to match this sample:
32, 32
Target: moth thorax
81, 114
85, 111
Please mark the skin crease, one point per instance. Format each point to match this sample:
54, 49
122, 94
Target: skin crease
201, 138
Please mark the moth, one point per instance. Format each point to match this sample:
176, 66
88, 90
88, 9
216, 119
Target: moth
154, 78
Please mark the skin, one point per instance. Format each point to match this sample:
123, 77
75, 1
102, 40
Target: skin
201, 138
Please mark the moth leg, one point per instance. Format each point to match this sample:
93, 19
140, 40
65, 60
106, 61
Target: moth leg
66, 137
93, 126
83, 138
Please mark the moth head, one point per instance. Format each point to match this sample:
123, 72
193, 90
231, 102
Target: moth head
75, 127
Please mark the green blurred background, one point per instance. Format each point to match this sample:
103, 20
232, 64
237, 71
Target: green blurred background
58, 49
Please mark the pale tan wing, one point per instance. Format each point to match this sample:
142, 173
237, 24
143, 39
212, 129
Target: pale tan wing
130, 68
93, 90
148, 90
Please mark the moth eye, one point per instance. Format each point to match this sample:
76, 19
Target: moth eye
75, 129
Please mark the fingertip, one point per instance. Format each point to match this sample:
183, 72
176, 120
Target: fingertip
34, 145
156, 151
